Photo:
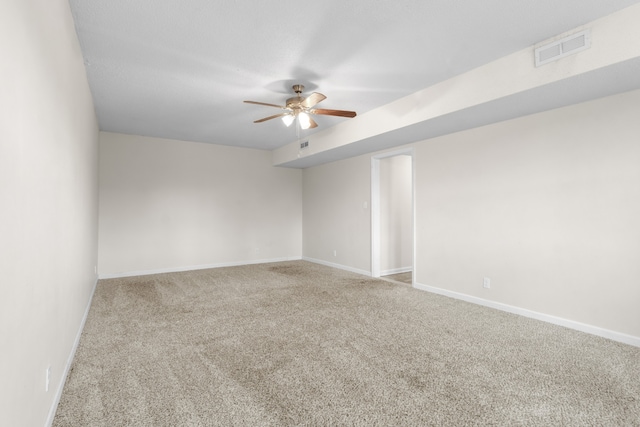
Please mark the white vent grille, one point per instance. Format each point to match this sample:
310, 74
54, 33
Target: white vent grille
564, 47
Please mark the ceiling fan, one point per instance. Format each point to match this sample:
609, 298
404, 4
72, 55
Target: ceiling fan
300, 107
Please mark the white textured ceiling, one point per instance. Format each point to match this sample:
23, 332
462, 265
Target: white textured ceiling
181, 69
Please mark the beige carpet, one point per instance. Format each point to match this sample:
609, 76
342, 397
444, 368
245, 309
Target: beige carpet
401, 277
298, 344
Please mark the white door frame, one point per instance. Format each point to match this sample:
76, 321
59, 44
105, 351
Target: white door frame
375, 209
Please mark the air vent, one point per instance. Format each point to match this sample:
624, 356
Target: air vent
304, 144
564, 47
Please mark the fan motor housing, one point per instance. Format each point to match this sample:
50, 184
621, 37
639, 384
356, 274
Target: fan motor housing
294, 103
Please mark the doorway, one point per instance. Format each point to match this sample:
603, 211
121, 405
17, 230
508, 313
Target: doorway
392, 216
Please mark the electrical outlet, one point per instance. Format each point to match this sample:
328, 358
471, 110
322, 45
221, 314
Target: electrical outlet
335, 253
47, 379
486, 283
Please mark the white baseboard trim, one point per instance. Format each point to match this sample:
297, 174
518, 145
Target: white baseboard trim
582, 327
396, 271
338, 266
195, 267
67, 367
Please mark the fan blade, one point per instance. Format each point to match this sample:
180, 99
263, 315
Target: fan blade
313, 124
325, 112
275, 116
264, 103
312, 100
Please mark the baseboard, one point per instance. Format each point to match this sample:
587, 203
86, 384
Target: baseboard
58, 395
396, 271
582, 327
338, 266
194, 267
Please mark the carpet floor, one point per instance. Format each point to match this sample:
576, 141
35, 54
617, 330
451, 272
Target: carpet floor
299, 344
401, 277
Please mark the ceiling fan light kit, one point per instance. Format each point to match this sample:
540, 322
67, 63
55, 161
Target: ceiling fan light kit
288, 119
301, 108
305, 120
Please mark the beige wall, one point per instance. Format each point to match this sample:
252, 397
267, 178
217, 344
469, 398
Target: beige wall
396, 229
335, 215
172, 205
48, 199
546, 206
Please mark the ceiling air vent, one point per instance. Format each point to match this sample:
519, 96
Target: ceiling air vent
564, 47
